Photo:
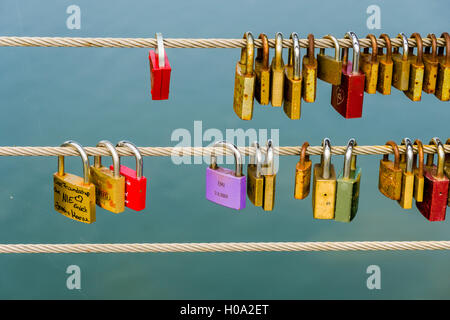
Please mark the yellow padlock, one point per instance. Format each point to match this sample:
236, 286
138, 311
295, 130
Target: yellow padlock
293, 81
369, 66
303, 174
262, 72
277, 73
418, 172
406, 197
385, 68
416, 72
430, 62
443, 79
309, 72
400, 75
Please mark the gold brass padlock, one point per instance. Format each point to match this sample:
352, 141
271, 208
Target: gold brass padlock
416, 72
418, 172
400, 74
443, 79
277, 73
303, 174
255, 180
74, 196
369, 66
390, 176
309, 72
109, 185
244, 83
406, 197
385, 67
430, 62
324, 185
268, 171
293, 81
262, 72
329, 69
447, 168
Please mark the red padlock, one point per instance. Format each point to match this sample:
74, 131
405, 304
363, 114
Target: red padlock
435, 192
159, 71
347, 98
135, 182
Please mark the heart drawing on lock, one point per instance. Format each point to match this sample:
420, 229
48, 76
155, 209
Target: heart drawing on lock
79, 198
340, 95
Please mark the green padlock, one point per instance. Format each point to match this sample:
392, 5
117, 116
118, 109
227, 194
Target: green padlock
347, 195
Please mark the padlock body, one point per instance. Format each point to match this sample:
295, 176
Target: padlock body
109, 191
435, 196
370, 70
430, 73
390, 180
309, 74
443, 81
447, 173
329, 69
324, 193
135, 189
292, 94
269, 192
407, 194
416, 74
255, 186
276, 84
302, 180
347, 196
73, 198
159, 77
262, 83
347, 98
400, 77
418, 186
224, 188
244, 88
385, 69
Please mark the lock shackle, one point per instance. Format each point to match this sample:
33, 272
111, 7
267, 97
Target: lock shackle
311, 47
446, 37
137, 154
256, 159
114, 155
294, 56
374, 45
247, 53
303, 156
409, 154
433, 46
84, 157
337, 47
161, 50
405, 46
419, 47
268, 161
325, 158
236, 153
396, 154
278, 50
349, 159
387, 40
441, 157
262, 54
420, 153
356, 50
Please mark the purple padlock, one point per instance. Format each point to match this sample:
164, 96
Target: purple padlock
224, 186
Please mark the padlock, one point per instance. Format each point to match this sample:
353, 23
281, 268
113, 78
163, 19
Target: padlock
369, 66
269, 175
309, 72
443, 78
435, 194
390, 177
224, 186
324, 185
416, 72
418, 172
135, 182
244, 81
430, 62
447, 169
262, 72
159, 71
406, 197
109, 184
303, 174
293, 81
347, 190
329, 69
385, 67
347, 98
74, 196
400, 74
277, 73
255, 180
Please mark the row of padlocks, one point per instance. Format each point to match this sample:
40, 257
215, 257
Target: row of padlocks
287, 84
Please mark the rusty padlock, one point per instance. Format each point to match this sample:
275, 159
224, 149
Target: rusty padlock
416, 71
443, 79
430, 62
385, 67
309, 71
369, 65
262, 72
